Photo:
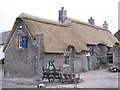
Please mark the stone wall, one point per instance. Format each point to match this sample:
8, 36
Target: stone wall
98, 55
19, 62
116, 49
116, 54
59, 61
57, 58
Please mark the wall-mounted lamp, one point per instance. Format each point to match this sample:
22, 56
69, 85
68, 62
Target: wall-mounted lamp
88, 54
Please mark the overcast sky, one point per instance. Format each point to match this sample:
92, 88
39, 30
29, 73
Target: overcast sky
100, 10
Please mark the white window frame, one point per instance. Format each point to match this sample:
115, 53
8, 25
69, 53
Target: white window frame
19, 41
20, 37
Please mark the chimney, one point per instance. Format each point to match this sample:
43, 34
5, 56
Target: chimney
62, 15
91, 21
105, 25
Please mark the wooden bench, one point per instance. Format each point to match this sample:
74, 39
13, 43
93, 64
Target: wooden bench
70, 78
51, 75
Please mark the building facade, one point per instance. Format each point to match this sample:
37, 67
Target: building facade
116, 49
76, 45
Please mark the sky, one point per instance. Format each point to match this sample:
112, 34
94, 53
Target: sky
100, 10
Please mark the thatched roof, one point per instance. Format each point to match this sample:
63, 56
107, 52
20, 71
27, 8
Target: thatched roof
58, 36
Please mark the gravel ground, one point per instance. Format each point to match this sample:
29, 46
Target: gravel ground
94, 79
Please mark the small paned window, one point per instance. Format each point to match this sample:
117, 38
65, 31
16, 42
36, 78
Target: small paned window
66, 60
51, 63
23, 41
69, 49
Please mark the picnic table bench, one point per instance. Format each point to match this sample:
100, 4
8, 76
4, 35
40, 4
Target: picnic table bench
70, 78
51, 74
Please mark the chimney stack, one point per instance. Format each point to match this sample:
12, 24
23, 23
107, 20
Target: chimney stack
105, 25
62, 15
91, 21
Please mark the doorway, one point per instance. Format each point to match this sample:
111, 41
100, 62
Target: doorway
110, 58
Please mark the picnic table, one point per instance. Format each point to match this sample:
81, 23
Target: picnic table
51, 74
70, 78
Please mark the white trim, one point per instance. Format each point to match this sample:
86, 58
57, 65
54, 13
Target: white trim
19, 40
65, 65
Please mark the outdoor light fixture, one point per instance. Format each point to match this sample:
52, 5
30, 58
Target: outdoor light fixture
20, 27
88, 54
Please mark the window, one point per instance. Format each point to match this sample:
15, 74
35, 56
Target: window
66, 60
70, 49
23, 41
51, 63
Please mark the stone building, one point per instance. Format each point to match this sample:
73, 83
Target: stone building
73, 43
116, 49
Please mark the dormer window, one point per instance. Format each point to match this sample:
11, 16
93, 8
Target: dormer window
69, 52
69, 49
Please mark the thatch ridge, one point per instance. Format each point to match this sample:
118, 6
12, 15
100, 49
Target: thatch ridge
48, 21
